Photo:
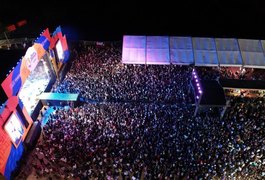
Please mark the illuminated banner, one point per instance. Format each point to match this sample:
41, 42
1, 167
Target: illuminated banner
40, 50
15, 123
65, 49
57, 34
14, 81
31, 58
11, 28
21, 23
62, 51
59, 42
44, 39
59, 50
15, 130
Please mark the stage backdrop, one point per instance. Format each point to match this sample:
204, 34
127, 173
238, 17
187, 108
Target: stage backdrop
15, 124
18, 76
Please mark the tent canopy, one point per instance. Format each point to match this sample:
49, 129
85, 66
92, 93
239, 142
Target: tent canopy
228, 52
181, 50
157, 50
201, 51
134, 49
252, 53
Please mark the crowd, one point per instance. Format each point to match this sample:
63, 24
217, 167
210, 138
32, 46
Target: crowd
98, 74
209, 73
141, 126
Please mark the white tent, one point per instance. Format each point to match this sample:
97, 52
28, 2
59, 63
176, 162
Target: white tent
252, 53
263, 44
134, 50
157, 50
204, 52
199, 51
228, 52
181, 50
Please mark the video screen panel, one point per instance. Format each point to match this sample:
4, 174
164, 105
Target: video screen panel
35, 84
31, 58
59, 50
14, 129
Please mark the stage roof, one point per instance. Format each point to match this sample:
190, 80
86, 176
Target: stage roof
200, 51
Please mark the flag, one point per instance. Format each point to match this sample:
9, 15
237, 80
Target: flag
58, 32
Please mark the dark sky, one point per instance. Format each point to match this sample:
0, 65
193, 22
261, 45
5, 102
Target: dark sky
109, 20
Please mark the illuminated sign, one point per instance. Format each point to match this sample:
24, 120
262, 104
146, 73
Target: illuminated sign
14, 129
31, 58
59, 50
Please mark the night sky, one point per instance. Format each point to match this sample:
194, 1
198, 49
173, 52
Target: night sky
110, 20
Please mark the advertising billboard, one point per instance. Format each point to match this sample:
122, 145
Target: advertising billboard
14, 129
59, 50
31, 58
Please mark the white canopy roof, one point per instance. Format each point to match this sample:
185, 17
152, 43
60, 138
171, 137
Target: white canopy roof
134, 49
157, 50
201, 51
181, 50
252, 53
204, 52
228, 52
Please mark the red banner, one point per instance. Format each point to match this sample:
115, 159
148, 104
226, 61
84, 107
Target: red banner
21, 23
11, 28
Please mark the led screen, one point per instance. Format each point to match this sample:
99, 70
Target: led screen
14, 129
59, 50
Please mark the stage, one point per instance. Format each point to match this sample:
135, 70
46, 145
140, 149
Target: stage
59, 99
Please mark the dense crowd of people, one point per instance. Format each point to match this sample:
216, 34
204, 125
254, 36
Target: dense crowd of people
141, 126
216, 73
98, 74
